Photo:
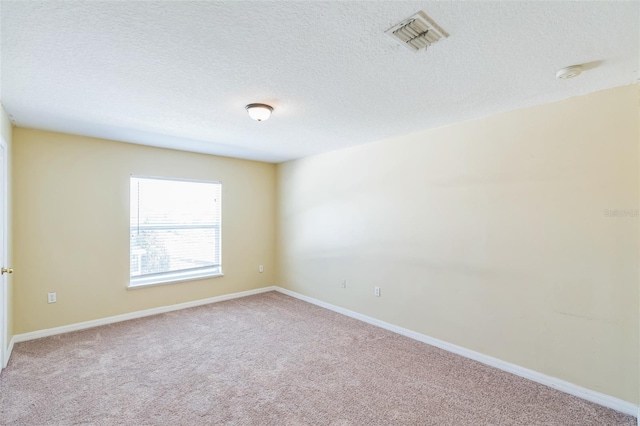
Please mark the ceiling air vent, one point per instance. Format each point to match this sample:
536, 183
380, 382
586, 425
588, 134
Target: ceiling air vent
417, 32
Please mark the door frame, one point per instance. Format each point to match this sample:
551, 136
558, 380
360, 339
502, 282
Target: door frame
4, 280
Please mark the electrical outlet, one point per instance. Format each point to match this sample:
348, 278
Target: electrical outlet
261, 269
376, 291
51, 297
343, 284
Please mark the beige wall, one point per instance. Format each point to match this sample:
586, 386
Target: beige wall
6, 131
71, 210
489, 234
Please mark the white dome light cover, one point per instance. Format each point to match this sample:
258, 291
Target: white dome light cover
259, 112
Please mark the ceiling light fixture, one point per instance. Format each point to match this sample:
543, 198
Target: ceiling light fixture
259, 112
569, 72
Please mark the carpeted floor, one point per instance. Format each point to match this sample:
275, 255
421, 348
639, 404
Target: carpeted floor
267, 360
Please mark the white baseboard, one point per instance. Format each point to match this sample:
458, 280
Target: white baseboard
8, 353
561, 385
553, 382
132, 315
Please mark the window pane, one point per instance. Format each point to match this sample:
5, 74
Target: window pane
175, 226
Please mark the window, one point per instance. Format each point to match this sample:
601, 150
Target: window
175, 228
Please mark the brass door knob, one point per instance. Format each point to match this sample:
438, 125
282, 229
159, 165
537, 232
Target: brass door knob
6, 271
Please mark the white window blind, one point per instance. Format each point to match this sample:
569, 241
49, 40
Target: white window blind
175, 229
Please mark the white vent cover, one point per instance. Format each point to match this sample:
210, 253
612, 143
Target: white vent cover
417, 32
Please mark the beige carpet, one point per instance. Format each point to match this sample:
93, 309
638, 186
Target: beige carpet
267, 360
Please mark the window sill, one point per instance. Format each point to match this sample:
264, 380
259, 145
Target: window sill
172, 279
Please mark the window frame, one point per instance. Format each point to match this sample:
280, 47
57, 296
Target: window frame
163, 278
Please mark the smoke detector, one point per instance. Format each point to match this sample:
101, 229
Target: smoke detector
569, 72
417, 32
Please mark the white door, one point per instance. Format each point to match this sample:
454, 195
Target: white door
5, 270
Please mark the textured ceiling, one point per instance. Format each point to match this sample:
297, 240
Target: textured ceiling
178, 74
